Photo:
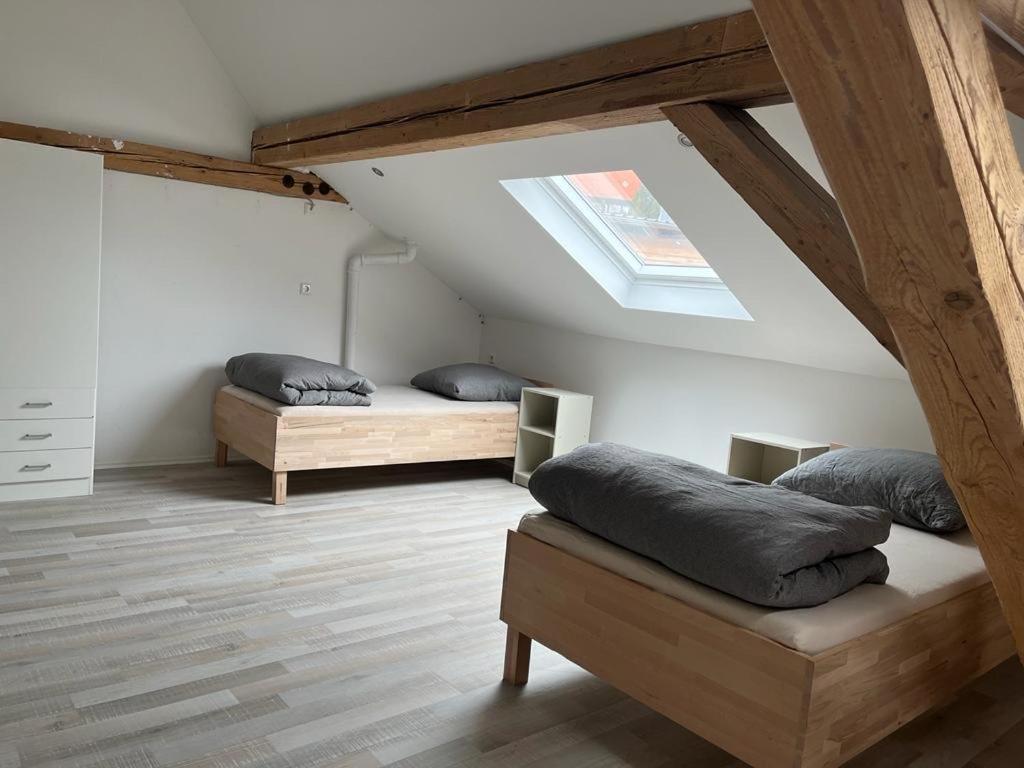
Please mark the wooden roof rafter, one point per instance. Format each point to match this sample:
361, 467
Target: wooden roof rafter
165, 163
788, 199
724, 60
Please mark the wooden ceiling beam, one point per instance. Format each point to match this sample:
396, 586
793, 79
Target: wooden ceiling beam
150, 160
901, 102
1008, 15
724, 60
788, 199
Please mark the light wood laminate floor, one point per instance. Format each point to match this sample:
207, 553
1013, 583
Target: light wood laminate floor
177, 619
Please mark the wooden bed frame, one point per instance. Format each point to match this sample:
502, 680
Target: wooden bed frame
767, 704
355, 437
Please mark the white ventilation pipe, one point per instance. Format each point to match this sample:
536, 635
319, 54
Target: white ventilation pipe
356, 262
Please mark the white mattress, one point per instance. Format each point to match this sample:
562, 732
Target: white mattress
386, 401
925, 570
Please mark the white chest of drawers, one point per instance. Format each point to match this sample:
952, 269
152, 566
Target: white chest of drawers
50, 222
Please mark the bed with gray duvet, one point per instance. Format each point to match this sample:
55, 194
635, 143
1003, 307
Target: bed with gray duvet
764, 544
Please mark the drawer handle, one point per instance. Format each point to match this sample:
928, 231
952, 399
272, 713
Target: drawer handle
47, 404
36, 467
45, 436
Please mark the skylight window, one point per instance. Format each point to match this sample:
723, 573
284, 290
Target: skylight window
616, 229
637, 218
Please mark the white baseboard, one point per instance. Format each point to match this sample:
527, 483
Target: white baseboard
157, 462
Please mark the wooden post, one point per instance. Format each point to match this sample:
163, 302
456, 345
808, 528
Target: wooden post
901, 101
517, 657
222, 454
279, 493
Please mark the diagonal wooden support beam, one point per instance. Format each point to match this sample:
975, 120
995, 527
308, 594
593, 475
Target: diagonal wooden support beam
901, 101
788, 199
151, 160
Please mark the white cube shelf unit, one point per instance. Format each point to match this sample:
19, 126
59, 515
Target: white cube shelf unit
551, 422
761, 456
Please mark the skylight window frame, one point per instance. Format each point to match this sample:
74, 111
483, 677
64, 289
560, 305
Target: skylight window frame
593, 245
568, 197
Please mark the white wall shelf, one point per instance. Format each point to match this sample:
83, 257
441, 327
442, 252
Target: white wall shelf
551, 422
761, 456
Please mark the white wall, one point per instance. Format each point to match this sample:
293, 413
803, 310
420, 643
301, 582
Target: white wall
192, 275
686, 403
410, 321
132, 69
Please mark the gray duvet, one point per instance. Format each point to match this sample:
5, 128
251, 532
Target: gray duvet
299, 380
764, 544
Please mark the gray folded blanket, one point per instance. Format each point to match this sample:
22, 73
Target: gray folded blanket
299, 380
764, 544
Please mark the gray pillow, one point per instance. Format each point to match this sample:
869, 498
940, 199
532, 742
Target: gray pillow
299, 380
909, 484
472, 381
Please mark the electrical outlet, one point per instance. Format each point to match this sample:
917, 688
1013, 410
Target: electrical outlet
491, 359
305, 289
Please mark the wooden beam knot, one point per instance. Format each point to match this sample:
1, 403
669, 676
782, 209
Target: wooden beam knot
961, 301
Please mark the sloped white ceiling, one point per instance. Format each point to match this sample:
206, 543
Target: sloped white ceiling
307, 56
134, 69
485, 246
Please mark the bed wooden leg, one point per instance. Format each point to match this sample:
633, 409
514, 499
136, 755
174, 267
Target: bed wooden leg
222, 454
517, 657
280, 492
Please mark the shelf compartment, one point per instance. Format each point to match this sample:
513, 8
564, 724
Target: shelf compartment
538, 411
762, 458
533, 450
